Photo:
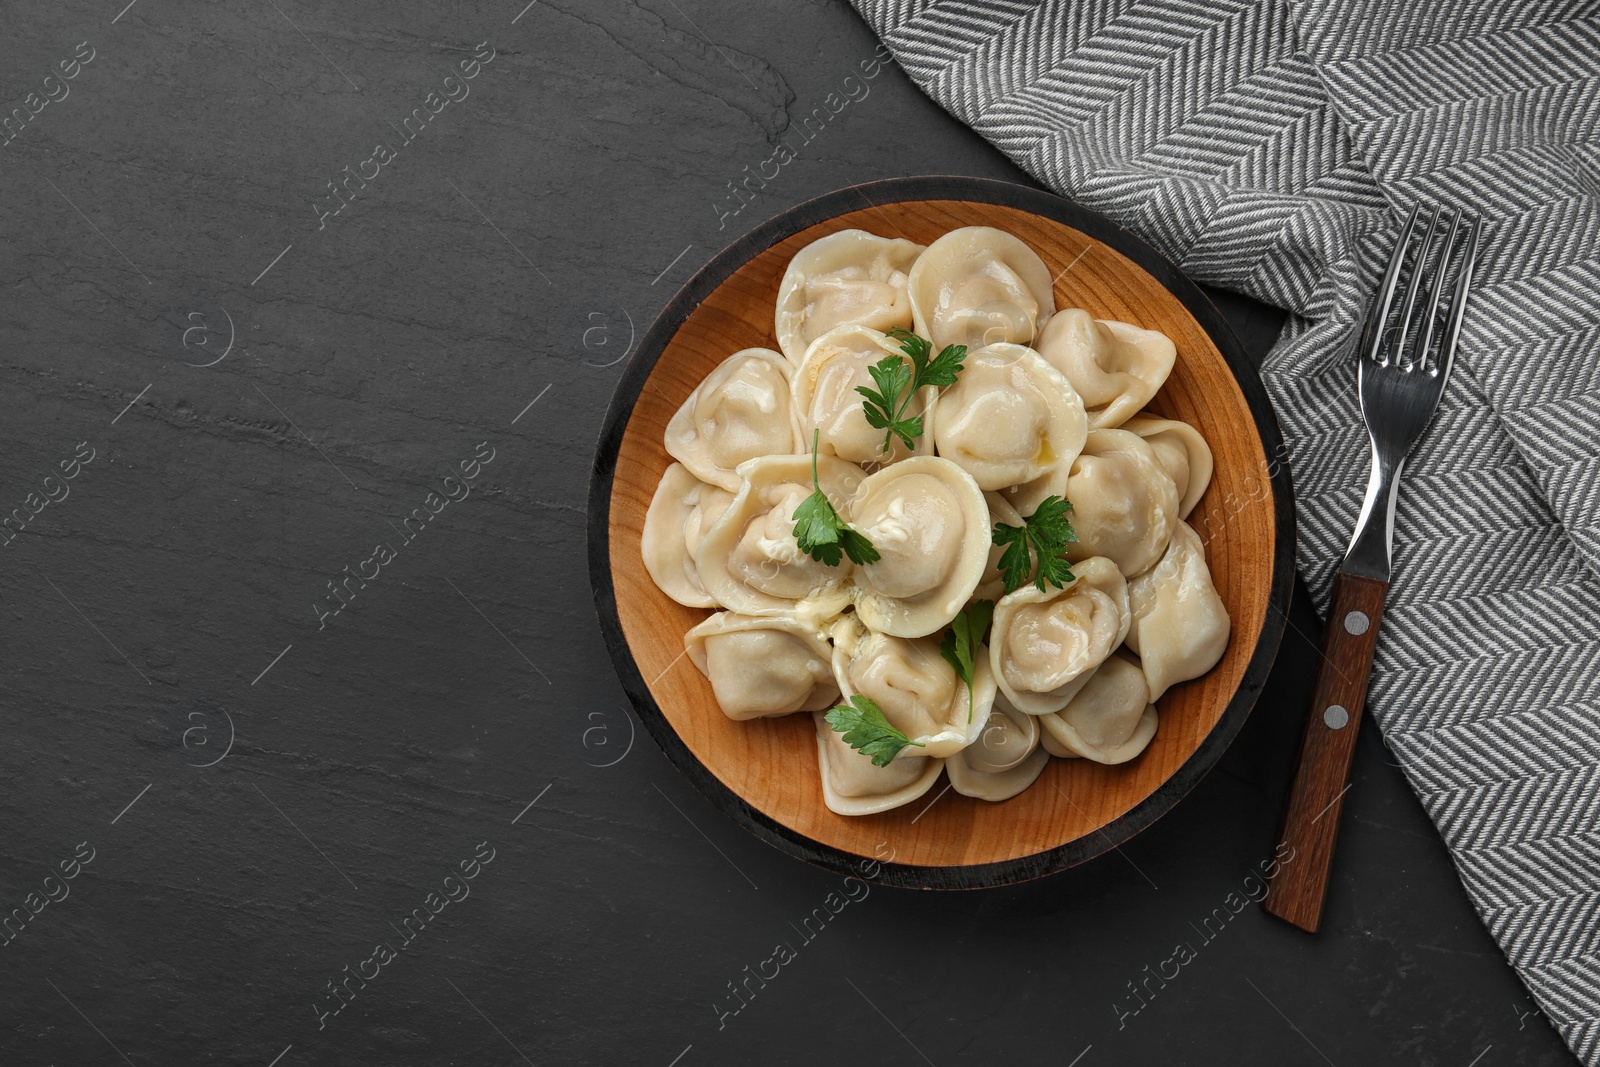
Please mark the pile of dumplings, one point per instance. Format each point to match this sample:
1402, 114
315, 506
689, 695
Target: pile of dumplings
1049, 403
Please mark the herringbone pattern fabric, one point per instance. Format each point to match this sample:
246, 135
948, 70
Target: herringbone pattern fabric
1266, 146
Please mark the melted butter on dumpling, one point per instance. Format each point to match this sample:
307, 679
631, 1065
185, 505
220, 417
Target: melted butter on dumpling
1044, 645
1124, 505
750, 561
1115, 366
741, 411
1004, 760
849, 278
913, 685
1110, 720
1180, 625
979, 286
1012, 422
825, 397
681, 512
760, 667
929, 523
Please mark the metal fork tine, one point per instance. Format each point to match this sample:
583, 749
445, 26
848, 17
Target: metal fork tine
1372, 336
1458, 300
1430, 299
1417, 269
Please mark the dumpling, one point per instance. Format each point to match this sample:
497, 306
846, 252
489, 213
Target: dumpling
1111, 720
1124, 505
1048, 742
750, 562
1044, 646
853, 785
929, 523
1182, 453
760, 667
1004, 760
739, 412
825, 397
1180, 625
914, 686
1012, 422
980, 286
992, 586
681, 512
849, 278
1116, 367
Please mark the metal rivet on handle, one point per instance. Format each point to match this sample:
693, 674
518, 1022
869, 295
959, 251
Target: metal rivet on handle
1356, 623
1336, 717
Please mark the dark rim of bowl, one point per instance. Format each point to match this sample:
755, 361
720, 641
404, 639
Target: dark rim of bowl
654, 343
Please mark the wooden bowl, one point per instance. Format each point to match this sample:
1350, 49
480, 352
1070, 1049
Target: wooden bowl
764, 773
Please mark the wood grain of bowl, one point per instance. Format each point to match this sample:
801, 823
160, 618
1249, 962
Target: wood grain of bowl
764, 773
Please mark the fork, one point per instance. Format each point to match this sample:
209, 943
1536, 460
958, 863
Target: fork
1403, 363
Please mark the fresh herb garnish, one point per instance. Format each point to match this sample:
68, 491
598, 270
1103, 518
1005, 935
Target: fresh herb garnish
1049, 532
885, 407
819, 530
867, 731
961, 641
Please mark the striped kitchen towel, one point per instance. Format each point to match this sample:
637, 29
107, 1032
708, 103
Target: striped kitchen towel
1268, 147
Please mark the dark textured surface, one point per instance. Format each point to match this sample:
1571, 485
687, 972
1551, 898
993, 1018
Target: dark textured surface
468, 678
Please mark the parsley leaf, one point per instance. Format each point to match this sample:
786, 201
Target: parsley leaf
1048, 532
867, 731
917, 348
820, 532
816, 529
857, 547
960, 644
1051, 531
1016, 566
940, 370
943, 368
885, 407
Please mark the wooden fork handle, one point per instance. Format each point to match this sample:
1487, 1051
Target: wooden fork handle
1311, 824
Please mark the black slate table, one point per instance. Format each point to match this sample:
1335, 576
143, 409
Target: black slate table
273, 796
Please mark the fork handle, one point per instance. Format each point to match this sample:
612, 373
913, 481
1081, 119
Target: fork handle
1311, 824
